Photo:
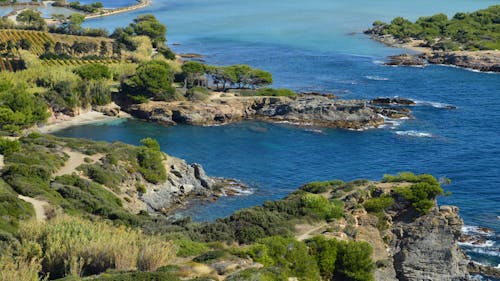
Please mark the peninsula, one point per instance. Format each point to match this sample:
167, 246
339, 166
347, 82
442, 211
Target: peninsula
469, 40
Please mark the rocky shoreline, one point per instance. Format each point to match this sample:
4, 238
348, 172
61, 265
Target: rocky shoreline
303, 110
484, 61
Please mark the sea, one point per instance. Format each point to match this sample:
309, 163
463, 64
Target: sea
318, 45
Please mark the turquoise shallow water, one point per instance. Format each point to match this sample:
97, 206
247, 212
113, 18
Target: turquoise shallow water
317, 45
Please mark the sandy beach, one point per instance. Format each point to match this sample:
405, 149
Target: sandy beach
90, 117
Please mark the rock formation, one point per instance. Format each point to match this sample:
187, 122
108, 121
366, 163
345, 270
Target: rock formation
427, 248
304, 110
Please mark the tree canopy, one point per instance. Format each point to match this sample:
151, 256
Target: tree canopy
153, 80
478, 30
20, 109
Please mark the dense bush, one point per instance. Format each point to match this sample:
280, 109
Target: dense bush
379, 204
9, 146
20, 109
150, 160
290, 255
93, 71
471, 31
320, 207
12, 209
275, 92
153, 80
422, 195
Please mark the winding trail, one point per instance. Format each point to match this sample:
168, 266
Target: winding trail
307, 234
39, 206
75, 159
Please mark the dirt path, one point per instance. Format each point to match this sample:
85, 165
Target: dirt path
309, 231
38, 205
75, 159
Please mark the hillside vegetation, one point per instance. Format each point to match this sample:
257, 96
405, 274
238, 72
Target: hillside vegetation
315, 233
479, 30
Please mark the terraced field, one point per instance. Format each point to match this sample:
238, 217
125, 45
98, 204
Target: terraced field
37, 38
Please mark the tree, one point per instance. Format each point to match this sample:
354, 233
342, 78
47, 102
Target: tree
20, 109
354, 261
149, 26
153, 79
103, 49
32, 18
325, 252
192, 71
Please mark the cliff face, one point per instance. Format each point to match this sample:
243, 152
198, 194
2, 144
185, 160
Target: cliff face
305, 110
184, 180
478, 60
427, 249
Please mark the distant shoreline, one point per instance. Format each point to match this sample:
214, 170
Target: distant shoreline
109, 12
104, 13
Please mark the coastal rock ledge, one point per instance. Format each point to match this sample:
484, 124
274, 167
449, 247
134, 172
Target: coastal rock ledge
304, 110
427, 249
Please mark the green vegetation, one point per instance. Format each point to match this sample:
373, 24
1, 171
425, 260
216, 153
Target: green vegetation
340, 260
19, 109
150, 161
379, 204
32, 19
12, 209
153, 80
69, 246
422, 193
93, 72
468, 31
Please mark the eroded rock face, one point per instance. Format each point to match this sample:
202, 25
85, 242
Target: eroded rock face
478, 60
304, 110
427, 249
183, 180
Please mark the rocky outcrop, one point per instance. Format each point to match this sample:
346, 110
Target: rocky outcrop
477, 60
405, 60
392, 101
427, 248
111, 109
185, 181
304, 110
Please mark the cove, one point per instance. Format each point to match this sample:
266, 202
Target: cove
319, 47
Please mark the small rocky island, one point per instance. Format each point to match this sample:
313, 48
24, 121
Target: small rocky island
302, 110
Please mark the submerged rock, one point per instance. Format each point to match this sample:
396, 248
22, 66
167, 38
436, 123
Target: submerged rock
392, 101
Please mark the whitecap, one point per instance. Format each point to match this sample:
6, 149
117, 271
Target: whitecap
376, 78
434, 104
413, 133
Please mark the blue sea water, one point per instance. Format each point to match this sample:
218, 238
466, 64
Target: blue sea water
318, 46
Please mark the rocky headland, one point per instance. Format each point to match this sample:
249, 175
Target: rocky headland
303, 110
485, 61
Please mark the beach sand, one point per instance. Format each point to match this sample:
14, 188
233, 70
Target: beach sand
90, 117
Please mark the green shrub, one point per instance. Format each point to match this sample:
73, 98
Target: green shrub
322, 208
275, 92
9, 146
209, 256
321, 187
379, 204
422, 195
188, 248
93, 71
151, 165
